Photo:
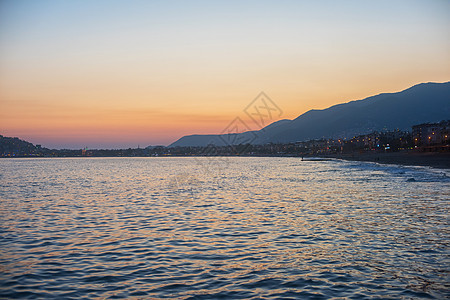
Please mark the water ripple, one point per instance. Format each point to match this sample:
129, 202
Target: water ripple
261, 228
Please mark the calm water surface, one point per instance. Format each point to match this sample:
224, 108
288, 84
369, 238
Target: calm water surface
231, 228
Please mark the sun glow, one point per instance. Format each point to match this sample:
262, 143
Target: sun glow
106, 74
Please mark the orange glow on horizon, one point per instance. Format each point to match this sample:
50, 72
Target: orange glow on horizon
148, 73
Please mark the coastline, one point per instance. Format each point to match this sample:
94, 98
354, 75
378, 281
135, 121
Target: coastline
411, 158
440, 160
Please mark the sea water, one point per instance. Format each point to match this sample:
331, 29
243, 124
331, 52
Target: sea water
222, 227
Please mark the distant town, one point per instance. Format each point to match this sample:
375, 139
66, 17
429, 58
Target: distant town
427, 137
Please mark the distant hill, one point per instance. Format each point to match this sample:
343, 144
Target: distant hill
425, 102
15, 147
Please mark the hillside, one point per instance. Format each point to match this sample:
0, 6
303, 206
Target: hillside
426, 102
12, 146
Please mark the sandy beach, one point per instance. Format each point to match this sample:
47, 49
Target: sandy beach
412, 158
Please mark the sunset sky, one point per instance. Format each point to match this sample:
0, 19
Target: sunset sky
118, 74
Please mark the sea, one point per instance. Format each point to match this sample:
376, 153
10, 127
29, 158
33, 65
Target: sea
222, 228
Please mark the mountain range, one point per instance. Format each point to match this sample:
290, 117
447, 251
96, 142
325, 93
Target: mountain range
422, 103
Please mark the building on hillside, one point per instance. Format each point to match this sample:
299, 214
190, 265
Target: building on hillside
428, 134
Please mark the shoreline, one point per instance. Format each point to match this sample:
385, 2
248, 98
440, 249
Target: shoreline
424, 159
407, 158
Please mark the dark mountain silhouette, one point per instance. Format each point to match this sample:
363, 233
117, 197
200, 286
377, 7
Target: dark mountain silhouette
425, 102
16, 146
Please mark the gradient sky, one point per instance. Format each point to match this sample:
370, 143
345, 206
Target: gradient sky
118, 74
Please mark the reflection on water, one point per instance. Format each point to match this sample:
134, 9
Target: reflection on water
259, 228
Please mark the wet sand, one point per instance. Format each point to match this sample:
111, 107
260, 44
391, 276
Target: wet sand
412, 158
